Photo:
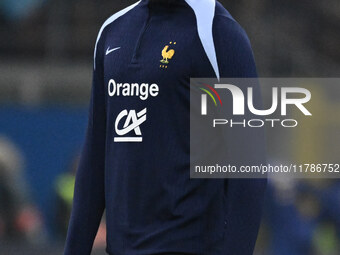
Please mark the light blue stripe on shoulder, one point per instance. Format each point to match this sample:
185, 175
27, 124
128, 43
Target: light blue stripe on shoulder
205, 11
108, 22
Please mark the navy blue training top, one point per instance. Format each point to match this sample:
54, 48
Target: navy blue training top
135, 161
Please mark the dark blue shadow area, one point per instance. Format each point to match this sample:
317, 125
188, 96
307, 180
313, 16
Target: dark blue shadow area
49, 138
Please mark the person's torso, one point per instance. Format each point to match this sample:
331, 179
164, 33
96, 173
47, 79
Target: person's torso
152, 205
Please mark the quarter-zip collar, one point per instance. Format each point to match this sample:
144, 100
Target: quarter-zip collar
164, 2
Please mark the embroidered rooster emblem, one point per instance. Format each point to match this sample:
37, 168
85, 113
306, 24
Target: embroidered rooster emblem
167, 54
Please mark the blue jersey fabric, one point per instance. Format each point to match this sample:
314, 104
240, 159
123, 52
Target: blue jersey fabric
152, 206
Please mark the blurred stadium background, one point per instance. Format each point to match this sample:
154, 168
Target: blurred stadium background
46, 49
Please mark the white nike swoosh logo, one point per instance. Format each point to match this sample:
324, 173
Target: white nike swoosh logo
108, 51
